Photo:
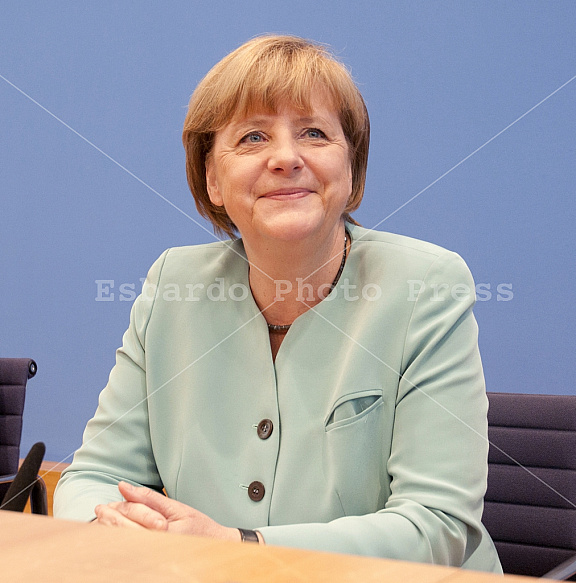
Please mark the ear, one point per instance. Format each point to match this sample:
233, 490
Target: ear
212, 183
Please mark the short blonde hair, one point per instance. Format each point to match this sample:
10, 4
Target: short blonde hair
263, 74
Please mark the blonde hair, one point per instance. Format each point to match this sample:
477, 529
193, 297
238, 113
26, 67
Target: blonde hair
262, 74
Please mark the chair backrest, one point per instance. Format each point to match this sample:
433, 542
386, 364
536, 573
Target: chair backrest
14, 374
530, 505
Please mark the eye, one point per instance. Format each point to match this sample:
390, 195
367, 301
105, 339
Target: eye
252, 138
315, 133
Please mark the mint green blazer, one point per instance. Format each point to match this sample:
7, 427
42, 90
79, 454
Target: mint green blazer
376, 398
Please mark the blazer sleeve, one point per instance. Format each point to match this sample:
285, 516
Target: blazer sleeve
116, 443
438, 460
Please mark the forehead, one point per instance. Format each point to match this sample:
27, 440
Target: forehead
319, 108
269, 101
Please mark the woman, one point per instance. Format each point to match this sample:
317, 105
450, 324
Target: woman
313, 380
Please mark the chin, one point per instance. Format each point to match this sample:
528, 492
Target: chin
293, 228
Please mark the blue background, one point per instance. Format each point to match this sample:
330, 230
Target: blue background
440, 80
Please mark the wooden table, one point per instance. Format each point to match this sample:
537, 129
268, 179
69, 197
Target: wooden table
45, 549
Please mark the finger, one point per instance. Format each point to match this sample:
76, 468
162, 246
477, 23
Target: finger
143, 515
109, 516
134, 512
155, 501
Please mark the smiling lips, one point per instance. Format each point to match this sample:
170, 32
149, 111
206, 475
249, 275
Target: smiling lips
287, 193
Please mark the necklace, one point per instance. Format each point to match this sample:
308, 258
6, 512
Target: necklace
286, 327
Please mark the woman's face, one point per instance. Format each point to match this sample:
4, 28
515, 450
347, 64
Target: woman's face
283, 175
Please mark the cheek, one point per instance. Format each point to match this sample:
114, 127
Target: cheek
341, 169
222, 180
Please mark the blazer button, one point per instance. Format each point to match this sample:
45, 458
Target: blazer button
265, 428
256, 491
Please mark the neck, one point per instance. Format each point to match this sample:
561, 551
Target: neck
287, 279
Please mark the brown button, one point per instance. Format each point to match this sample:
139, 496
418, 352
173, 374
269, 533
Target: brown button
256, 491
265, 428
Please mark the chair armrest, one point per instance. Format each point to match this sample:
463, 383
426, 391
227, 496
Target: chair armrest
7, 478
39, 498
563, 571
38, 494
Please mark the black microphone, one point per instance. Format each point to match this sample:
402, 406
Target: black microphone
19, 491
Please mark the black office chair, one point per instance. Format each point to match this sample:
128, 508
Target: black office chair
530, 505
14, 375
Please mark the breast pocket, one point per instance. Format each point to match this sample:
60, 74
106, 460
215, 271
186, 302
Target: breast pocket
357, 451
351, 408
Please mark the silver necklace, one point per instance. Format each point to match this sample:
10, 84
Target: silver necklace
286, 327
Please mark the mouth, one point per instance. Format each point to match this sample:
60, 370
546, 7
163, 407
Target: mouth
287, 193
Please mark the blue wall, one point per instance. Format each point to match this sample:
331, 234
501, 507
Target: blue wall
92, 100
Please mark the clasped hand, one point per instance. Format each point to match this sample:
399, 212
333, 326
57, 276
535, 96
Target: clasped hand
145, 508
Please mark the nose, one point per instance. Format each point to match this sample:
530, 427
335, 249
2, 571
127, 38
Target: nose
285, 157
